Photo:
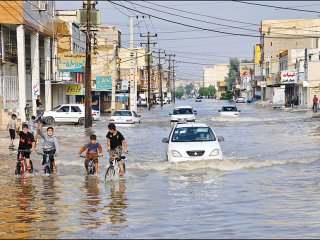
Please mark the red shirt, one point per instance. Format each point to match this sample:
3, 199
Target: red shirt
315, 100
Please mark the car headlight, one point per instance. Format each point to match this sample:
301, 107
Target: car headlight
215, 152
175, 153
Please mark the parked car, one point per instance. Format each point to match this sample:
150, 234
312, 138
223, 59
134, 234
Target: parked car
142, 102
165, 101
192, 142
229, 111
125, 117
240, 100
73, 113
183, 114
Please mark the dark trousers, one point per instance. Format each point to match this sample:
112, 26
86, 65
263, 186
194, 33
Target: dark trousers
51, 157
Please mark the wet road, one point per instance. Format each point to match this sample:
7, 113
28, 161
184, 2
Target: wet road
267, 185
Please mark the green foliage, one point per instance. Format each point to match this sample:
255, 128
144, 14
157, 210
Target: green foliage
226, 95
234, 71
179, 94
189, 88
203, 91
246, 61
180, 88
212, 90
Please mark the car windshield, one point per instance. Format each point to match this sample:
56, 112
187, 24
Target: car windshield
182, 111
229, 109
56, 108
192, 134
122, 113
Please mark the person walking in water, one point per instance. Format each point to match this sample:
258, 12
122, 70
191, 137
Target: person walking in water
315, 103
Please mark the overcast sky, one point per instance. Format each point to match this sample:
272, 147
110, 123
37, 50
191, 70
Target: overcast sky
195, 48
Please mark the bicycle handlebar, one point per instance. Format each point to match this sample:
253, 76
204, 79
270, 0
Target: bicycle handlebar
21, 150
90, 156
42, 154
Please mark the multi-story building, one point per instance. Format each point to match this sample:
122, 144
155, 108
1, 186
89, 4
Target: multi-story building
215, 74
278, 36
27, 48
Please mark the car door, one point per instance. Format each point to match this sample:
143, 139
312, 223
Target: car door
75, 114
62, 114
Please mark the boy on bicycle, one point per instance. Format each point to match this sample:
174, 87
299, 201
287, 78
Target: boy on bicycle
115, 140
94, 149
50, 146
27, 144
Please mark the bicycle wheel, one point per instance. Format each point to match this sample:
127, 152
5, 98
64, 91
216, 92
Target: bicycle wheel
124, 167
23, 167
110, 172
31, 166
18, 169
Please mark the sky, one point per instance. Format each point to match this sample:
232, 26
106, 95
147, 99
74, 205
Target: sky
195, 48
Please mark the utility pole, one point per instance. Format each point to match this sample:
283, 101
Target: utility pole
160, 74
169, 72
174, 84
115, 78
88, 97
149, 63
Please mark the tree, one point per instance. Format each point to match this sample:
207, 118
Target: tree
234, 71
179, 94
189, 88
180, 88
212, 90
246, 61
203, 91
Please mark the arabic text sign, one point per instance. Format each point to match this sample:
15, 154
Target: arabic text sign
74, 89
72, 63
289, 77
103, 83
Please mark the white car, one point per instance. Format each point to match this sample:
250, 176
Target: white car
240, 100
183, 114
192, 142
125, 116
158, 101
229, 111
73, 113
142, 102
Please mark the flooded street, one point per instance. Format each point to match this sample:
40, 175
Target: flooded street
268, 183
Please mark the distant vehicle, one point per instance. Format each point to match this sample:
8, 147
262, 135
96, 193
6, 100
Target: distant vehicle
73, 113
183, 114
199, 97
192, 142
240, 100
142, 102
125, 117
229, 111
165, 101
198, 100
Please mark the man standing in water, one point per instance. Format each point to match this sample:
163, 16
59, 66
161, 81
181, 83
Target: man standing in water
115, 140
315, 103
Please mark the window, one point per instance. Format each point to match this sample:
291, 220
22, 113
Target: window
56, 108
64, 109
122, 113
182, 111
229, 109
192, 134
75, 109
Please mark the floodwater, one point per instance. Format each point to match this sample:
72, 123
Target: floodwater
267, 185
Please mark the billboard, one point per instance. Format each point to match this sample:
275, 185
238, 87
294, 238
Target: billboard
245, 73
103, 83
289, 77
71, 63
257, 54
74, 89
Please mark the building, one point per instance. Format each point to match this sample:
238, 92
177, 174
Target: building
278, 36
215, 74
27, 47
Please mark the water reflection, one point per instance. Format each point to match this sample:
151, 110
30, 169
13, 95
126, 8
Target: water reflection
118, 201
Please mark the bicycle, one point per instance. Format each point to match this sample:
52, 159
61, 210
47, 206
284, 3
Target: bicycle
114, 167
91, 168
48, 165
21, 166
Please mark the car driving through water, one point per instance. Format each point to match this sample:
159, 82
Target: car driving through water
192, 142
183, 114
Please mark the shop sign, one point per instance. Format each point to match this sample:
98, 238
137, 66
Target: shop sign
74, 89
103, 83
71, 63
289, 77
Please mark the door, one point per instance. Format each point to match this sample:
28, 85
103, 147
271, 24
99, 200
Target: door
62, 114
75, 114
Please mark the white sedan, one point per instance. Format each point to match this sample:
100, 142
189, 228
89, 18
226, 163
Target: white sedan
183, 114
192, 142
73, 113
125, 117
229, 111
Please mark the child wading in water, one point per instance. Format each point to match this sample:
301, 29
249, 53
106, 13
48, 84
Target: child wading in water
11, 127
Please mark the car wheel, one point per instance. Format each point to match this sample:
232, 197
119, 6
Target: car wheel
49, 120
81, 121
